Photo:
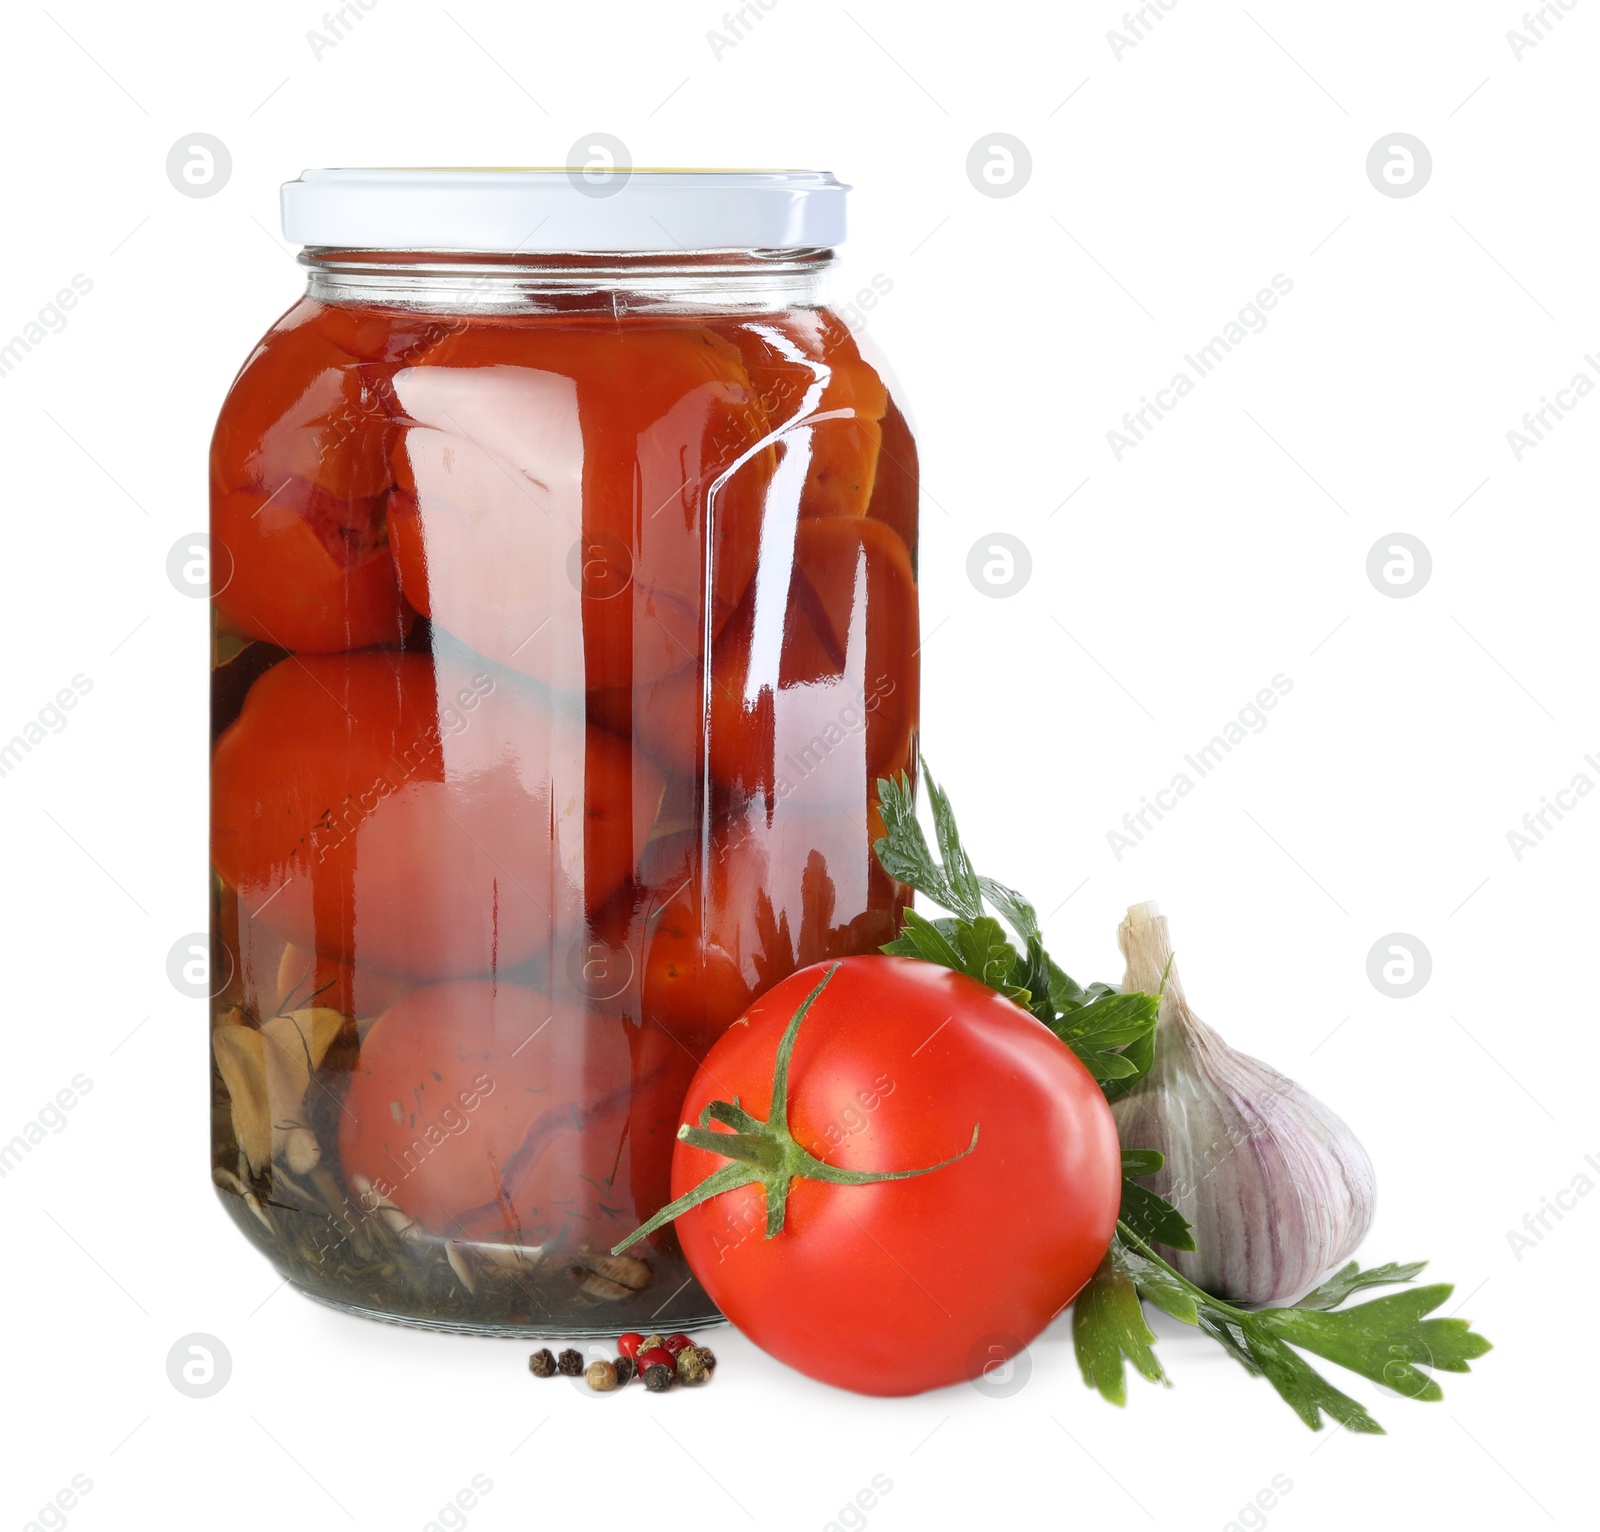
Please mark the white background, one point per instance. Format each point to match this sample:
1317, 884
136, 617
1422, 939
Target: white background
1167, 187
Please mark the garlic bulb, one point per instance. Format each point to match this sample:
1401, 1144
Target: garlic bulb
1275, 1187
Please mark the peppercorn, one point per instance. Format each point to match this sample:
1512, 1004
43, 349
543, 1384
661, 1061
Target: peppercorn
624, 1367
650, 1343
541, 1364
654, 1355
676, 1343
658, 1378
708, 1357
691, 1366
569, 1364
628, 1345
601, 1377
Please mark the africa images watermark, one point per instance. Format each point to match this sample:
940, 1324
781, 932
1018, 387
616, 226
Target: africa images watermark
1551, 1210
338, 25
1250, 719
855, 312
452, 1515
50, 719
1538, 25
738, 25
1538, 424
1252, 1515
1553, 808
51, 1118
1201, 363
851, 719
51, 319
1138, 25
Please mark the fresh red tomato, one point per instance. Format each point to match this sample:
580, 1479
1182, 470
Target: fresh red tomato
484, 1109
903, 1285
830, 693
300, 486
429, 820
538, 499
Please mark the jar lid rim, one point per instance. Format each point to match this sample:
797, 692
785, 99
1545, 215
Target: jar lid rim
548, 209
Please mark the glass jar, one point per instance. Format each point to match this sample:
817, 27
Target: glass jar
565, 617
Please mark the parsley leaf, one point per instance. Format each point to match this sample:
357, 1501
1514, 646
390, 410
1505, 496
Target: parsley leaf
903, 850
1111, 1033
1108, 1324
977, 948
1150, 1216
1389, 1340
1100, 1031
1386, 1339
958, 870
1351, 1278
1019, 914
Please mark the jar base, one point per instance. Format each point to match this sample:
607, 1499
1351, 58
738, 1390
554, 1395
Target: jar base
556, 1330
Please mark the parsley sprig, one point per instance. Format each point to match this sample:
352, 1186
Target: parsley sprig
1390, 1340
1112, 1033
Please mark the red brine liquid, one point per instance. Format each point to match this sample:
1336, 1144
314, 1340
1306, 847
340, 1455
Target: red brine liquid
558, 655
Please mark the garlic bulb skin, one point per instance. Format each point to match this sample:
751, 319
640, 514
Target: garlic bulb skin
1276, 1188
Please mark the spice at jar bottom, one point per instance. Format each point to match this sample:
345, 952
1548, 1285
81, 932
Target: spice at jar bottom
675, 1359
542, 1364
692, 1365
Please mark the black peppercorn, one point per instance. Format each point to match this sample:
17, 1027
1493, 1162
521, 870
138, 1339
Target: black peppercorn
569, 1364
658, 1378
707, 1358
541, 1364
624, 1366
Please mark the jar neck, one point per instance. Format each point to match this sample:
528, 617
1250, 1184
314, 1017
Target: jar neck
455, 282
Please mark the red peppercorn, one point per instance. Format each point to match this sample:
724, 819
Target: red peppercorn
628, 1345
657, 1356
676, 1343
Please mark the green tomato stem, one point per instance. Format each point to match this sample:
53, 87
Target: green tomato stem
767, 1151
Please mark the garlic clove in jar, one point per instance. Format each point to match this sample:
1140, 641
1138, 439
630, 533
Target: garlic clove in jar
293, 1045
1275, 1186
240, 1062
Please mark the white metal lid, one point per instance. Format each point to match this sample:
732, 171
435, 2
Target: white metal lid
545, 210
